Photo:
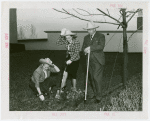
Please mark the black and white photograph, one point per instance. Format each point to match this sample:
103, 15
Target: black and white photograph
76, 56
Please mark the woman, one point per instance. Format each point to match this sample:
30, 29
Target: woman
72, 58
42, 75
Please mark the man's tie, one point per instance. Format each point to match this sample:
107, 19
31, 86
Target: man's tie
91, 37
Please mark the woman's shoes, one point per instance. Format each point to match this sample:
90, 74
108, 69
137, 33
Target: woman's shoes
57, 94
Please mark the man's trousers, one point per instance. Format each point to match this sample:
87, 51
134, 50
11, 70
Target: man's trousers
96, 75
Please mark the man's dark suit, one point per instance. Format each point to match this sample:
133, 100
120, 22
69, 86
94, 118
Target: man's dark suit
97, 61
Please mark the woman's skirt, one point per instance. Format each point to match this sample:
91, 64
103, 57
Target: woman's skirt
72, 68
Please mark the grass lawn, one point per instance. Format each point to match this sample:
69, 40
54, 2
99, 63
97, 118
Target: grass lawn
24, 63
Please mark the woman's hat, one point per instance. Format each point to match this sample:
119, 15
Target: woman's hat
63, 31
90, 25
46, 61
68, 32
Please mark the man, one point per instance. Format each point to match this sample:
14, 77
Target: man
94, 44
39, 77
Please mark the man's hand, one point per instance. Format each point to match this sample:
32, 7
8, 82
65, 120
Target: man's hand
41, 97
87, 50
56, 68
68, 62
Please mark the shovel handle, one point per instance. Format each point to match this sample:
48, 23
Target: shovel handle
87, 76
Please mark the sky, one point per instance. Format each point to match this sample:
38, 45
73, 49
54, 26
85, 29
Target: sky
50, 20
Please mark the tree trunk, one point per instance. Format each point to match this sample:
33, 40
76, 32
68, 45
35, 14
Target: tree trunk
125, 49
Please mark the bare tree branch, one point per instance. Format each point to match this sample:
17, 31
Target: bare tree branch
120, 12
128, 15
113, 34
130, 12
133, 14
119, 24
110, 17
104, 14
66, 12
104, 18
108, 11
84, 11
89, 14
119, 18
59, 11
80, 13
67, 17
133, 33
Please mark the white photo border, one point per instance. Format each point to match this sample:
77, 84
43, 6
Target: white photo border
6, 114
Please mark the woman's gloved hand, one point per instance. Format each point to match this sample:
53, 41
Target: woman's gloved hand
68, 62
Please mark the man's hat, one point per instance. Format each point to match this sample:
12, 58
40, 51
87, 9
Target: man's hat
46, 61
91, 25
